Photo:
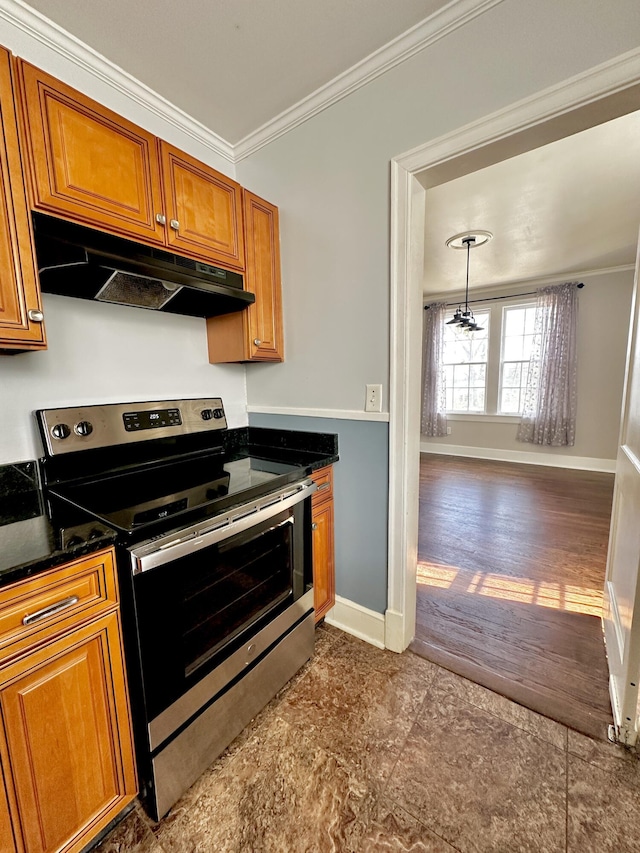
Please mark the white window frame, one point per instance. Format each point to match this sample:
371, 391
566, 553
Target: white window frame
465, 412
493, 374
531, 304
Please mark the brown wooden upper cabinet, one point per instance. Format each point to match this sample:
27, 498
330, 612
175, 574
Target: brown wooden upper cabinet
203, 209
21, 318
254, 334
93, 166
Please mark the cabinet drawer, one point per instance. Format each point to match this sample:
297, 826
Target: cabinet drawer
34, 610
323, 478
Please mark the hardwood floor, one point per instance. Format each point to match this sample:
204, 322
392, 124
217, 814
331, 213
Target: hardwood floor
511, 563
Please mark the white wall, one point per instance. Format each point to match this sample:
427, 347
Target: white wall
107, 354
330, 177
603, 321
104, 353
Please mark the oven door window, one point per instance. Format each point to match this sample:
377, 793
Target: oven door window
197, 609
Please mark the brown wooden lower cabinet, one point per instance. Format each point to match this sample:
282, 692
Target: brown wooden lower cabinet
323, 542
66, 748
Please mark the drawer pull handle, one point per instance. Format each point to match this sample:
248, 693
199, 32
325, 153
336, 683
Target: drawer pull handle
35, 315
49, 611
314, 526
323, 487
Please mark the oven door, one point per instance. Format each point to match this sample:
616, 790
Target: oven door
204, 593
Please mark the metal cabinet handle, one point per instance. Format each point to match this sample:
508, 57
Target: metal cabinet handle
257, 341
161, 218
174, 224
50, 610
324, 486
314, 526
35, 315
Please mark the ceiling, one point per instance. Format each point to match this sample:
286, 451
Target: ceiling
236, 64
565, 208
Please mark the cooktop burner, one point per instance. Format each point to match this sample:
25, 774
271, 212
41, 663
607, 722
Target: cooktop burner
205, 485
146, 468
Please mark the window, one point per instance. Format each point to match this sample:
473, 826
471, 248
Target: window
465, 359
517, 340
486, 372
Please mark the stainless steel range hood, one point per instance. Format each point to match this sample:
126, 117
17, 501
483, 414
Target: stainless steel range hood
87, 264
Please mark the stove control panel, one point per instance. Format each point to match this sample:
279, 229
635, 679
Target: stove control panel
77, 428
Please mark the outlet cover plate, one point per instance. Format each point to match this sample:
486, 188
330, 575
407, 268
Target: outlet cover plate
373, 400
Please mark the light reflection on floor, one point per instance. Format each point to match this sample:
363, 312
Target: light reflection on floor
570, 598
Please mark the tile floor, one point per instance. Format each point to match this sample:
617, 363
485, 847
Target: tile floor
368, 751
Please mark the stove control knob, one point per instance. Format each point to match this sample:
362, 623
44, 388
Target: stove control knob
206, 414
60, 431
94, 533
83, 428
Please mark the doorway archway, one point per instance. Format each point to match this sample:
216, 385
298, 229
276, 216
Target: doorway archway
604, 93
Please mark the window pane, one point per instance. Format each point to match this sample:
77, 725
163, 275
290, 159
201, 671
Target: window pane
510, 402
460, 375
460, 399
465, 356
511, 375
512, 350
448, 376
479, 350
530, 321
477, 374
527, 343
514, 321
476, 400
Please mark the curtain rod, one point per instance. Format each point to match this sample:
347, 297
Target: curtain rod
580, 285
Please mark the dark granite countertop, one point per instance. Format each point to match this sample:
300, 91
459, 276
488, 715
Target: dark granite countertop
31, 540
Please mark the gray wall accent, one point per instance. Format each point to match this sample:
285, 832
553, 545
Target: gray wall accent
361, 486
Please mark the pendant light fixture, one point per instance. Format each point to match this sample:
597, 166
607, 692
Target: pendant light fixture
467, 240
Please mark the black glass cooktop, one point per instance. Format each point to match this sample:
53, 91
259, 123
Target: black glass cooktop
159, 493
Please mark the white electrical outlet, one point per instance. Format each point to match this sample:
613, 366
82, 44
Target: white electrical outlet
373, 402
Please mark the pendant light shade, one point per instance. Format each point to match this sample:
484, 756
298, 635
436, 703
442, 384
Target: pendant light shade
463, 317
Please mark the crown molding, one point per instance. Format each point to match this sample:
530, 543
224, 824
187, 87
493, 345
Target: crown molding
38, 27
507, 287
609, 78
456, 14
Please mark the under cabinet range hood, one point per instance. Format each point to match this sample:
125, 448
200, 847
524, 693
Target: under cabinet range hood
88, 264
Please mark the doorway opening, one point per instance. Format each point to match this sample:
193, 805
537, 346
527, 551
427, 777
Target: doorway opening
523, 545
500, 137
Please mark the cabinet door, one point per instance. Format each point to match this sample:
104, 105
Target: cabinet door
203, 207
323, 559
254, 334
68, 737
19, 289
7, 841
88, 163
263, 278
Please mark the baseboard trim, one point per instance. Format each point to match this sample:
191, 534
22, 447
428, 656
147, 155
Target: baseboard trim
331, 414
394, 631
358, 621
578, 463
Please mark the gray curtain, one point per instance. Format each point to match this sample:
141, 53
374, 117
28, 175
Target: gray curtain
549, 412
434, 418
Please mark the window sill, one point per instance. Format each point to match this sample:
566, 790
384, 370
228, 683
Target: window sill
483, 419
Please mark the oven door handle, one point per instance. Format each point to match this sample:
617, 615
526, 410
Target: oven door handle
150, 555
